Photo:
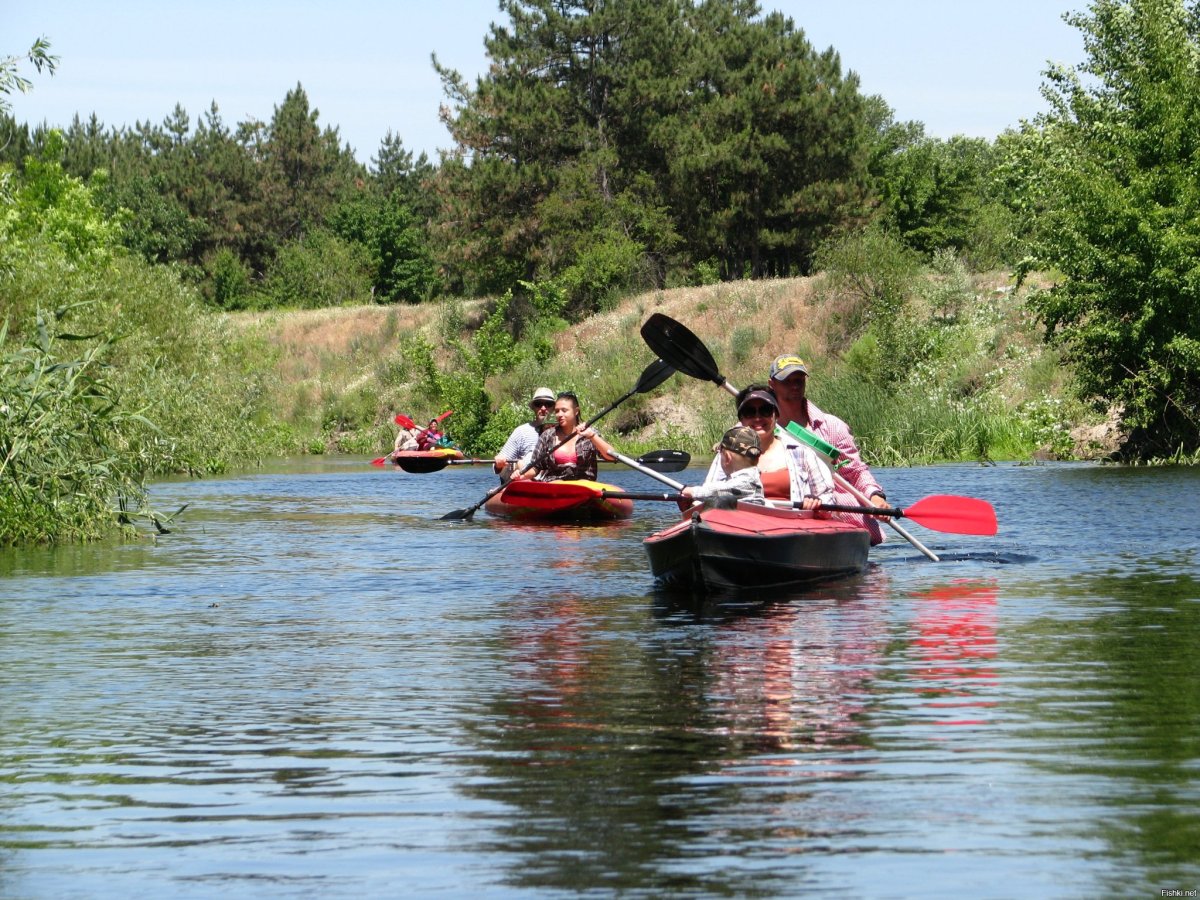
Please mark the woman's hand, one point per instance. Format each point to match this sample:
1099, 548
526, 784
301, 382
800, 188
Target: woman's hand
810, 503
603, 447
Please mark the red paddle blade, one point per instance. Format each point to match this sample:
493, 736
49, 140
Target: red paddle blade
404, 421
955, 515
379, 461
547, 495
448, 412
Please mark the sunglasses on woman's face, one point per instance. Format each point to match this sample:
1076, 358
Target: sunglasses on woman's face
543, 404
750, 412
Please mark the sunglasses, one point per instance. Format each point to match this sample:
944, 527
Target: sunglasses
543, 404
761, 411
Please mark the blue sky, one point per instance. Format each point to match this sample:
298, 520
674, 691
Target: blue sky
968, 67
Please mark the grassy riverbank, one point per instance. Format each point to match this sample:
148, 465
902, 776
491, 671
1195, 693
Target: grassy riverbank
975, 382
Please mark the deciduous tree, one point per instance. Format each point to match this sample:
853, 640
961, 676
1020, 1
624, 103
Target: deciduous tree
1120, 189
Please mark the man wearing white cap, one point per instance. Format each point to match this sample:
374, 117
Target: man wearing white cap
518, 449
789, 381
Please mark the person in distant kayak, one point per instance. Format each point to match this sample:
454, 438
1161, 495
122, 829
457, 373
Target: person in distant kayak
789, 381
738, 452
517, 451
566, 451
789, 470
406, 438
430, 436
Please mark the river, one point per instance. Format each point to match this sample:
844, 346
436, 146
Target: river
314, 687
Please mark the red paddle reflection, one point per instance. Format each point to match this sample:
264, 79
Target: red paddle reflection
955, 648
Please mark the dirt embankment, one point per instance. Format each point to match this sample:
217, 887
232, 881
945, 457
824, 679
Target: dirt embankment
324, 353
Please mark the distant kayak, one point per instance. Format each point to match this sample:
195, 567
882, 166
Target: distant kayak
543, 503
439, 453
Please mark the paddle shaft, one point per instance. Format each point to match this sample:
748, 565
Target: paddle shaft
832, 507
795, 504
646, 470
946, 513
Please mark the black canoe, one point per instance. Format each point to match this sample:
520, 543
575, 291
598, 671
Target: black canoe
754, 547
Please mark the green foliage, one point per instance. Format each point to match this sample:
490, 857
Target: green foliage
1114, 180
155, 224
317, 271
230, 280
708, 271
11, 78
493, 345
189, 195
921, 426
456, 390
499, 426
938, 196
612, 143
870, 276
53, 207
602, 270
143, 352
401, 260
549, 299
1047, 421
452, 320
464, 394
63, 465
744, 344
949, 291
306, 169
772, 153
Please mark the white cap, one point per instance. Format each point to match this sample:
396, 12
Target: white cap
542, 393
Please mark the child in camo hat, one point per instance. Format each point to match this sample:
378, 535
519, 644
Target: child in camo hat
739, 464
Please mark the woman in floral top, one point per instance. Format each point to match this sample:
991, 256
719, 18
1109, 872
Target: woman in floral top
565, 451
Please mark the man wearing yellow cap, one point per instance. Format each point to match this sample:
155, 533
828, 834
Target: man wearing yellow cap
789, 380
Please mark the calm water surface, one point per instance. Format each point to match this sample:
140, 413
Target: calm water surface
315, 687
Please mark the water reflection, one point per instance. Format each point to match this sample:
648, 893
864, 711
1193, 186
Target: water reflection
318, 686
955, 648
583, 745
602, 751
1119, 678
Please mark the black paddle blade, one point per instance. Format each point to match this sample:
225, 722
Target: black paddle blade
654, 375
665, 460
677, 345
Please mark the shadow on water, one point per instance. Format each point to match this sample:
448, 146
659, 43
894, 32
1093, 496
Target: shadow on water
997, 557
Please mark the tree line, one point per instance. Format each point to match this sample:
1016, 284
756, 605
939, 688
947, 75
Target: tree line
611, 147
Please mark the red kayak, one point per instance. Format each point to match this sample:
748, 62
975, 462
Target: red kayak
558, 501
755, 547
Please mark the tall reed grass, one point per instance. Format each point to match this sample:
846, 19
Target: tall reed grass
109, 377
